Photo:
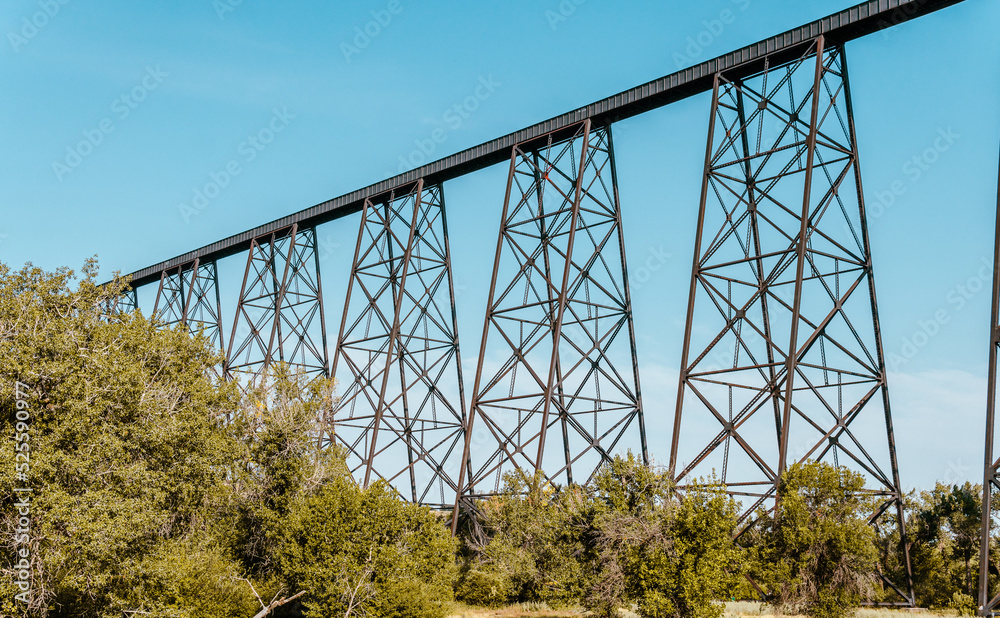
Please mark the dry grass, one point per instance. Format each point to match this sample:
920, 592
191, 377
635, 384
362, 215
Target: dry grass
521, 610
737, 609
748, 609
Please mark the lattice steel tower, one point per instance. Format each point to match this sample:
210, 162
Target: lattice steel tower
557, 386
401, 415
782, 358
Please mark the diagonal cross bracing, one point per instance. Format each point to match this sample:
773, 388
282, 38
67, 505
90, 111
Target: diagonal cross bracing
556, 385
189, 296
279, 315
782, 358
401, 416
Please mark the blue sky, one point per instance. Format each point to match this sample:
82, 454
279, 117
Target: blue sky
168, 94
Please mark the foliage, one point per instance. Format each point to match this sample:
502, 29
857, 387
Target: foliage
822, 556
159, 488
944, 535
627, 540
279, 458
964, 604
485, 587
365, 552
534, 546
184, 579
891, 562
127, 453
669, 557
304, 521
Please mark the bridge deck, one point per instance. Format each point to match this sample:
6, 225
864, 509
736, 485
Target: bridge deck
852, 23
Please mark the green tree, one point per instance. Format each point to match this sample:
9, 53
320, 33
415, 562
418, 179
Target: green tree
944, 534
160, 489
366, 552
278, 459
822, 557
530, 547
668, 556
305, 527
127, 454
961, 508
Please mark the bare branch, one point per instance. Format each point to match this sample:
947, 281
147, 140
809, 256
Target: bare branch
276, 604
254, 590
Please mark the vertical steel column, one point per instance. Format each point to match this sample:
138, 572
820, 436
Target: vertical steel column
401, 416
558, 323
781, 248
991, 479
279, 315
627, 298
802, 240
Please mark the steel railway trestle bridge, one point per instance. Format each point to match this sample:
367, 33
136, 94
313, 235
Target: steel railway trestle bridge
786, 359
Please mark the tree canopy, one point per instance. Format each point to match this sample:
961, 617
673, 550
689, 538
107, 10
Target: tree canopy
158, 487
152, 485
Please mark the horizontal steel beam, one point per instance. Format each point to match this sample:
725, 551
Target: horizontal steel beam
852, 23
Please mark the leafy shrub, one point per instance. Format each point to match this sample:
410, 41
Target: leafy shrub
963, 603
365, 551
533, 546
669, 557
628, 540
943, 529
822, 556
486, 588
187, 580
